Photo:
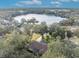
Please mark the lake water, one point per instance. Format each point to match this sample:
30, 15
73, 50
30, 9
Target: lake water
49, 19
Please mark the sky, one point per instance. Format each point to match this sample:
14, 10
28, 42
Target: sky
39, 3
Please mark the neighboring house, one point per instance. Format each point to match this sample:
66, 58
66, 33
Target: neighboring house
37, 47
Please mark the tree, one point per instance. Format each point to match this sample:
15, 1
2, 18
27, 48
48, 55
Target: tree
27, 28
23, 20
56, 30
33, 21
69, 34
69, 22
53, 28
42, 28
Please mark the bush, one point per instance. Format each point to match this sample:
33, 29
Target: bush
55, 50
69, 34
76, 52
14, 46
58, 49
76, 33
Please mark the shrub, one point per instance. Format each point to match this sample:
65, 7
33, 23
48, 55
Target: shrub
76, 52
14, 46
76, 33
58, 49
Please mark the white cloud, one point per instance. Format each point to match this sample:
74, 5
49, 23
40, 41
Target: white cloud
59, 3
65, 1
56, 3
57, 6
75, 0
32, 2
69, 0
19, 5
37, 1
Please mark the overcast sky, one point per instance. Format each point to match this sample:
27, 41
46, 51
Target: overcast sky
39, 3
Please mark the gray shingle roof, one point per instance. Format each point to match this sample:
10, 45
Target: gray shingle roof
38, 47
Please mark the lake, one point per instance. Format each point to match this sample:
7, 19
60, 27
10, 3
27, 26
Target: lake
49, 19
